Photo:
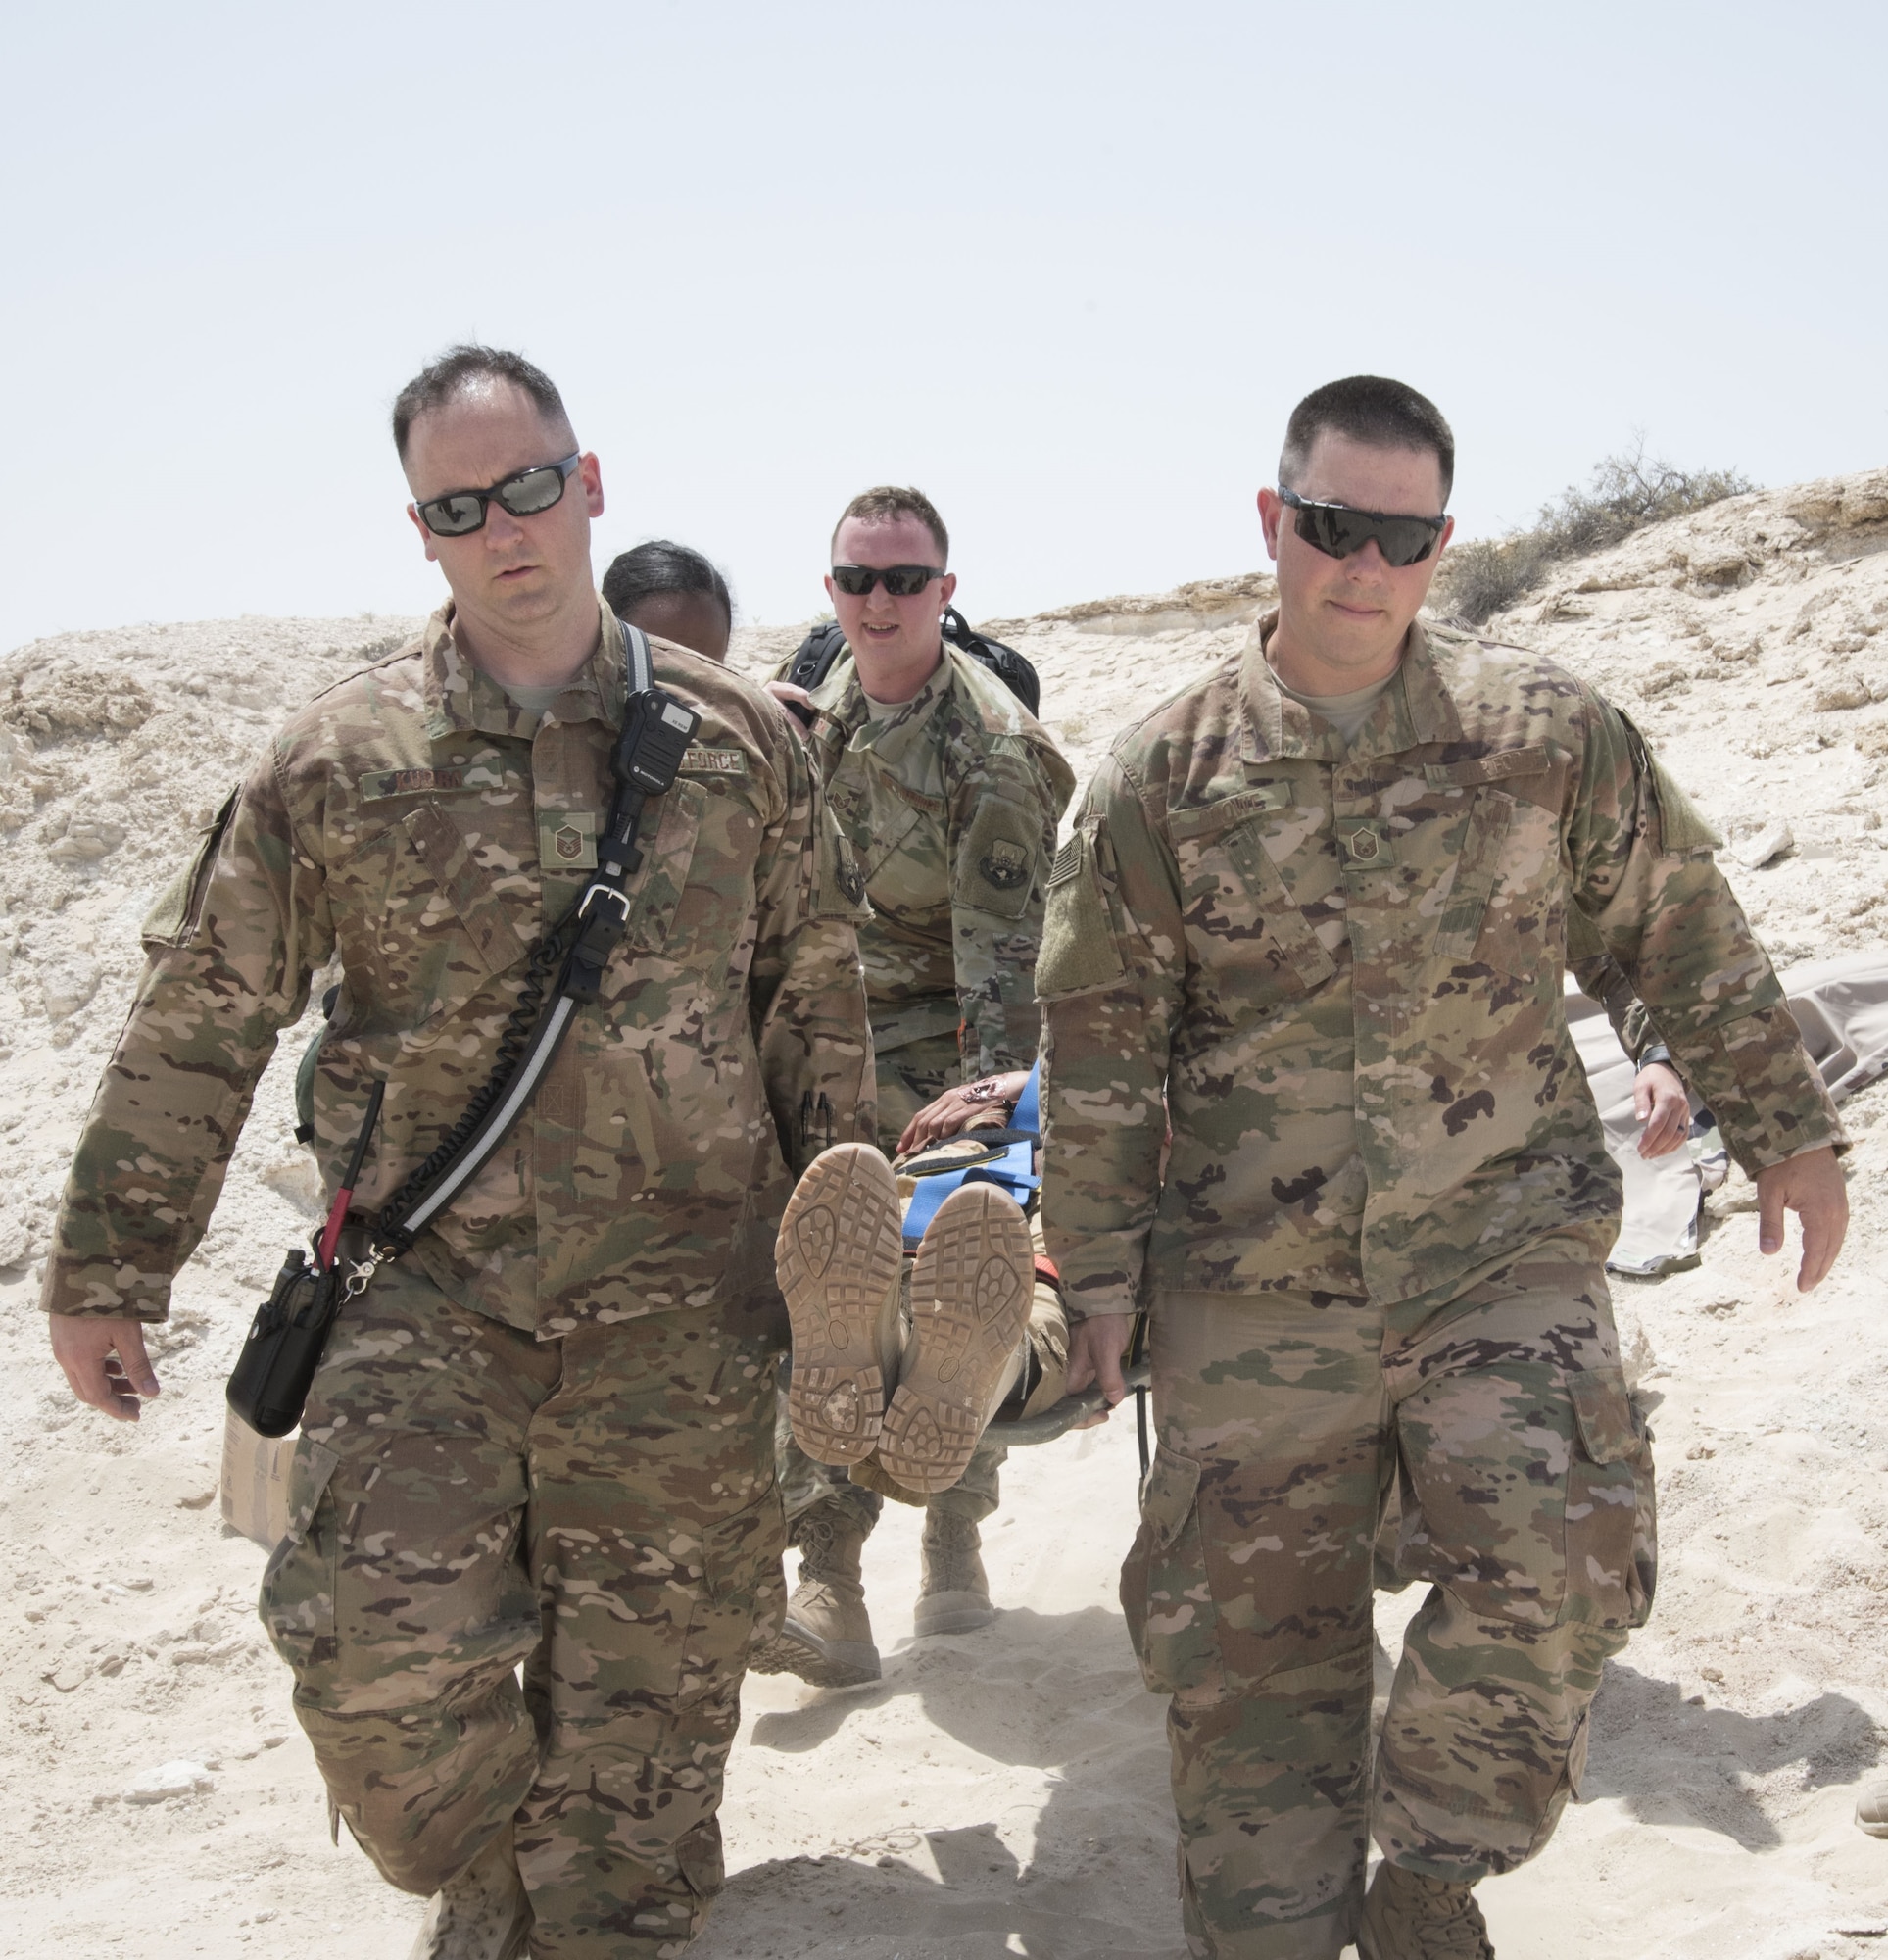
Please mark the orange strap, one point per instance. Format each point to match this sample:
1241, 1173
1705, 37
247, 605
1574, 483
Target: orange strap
1046, 1269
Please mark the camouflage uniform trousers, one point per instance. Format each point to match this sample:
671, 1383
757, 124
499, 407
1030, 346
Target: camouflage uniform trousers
1500, 1418
600, 1509
858, 1495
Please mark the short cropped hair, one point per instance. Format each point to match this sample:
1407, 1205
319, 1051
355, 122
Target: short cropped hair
1367, 407
887, 502
461, 368
662, 566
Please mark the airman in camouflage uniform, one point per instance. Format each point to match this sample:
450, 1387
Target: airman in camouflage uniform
545, 1438
950, 792
1374, 1257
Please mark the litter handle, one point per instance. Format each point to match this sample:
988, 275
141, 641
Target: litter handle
1066, 1414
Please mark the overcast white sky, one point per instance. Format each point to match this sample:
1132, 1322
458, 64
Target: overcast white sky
1065, 266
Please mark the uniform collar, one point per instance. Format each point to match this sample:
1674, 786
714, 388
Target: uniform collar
1414, 708
841, 700
459, 698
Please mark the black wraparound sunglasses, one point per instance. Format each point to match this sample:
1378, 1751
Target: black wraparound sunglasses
1337, 531
525, 494
901, 581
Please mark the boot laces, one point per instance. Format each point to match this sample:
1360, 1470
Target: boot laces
813, 1539
1441, 1921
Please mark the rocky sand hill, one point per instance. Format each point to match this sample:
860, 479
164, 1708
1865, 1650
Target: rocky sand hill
1003, 1791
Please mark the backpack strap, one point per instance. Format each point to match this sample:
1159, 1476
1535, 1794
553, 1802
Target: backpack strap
817, 655
1005, 662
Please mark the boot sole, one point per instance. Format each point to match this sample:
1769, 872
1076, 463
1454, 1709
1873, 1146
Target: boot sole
970, 1296
817, 1662
951, 1613
837, 1259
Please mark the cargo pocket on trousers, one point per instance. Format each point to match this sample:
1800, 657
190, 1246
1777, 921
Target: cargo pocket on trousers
699, 1853
1164, 1590
1612, 1529
297, 1604
741, 1597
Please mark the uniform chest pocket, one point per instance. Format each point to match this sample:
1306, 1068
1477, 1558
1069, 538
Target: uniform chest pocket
1241, 916
484, 871
1505, 906
668, 845
435, 907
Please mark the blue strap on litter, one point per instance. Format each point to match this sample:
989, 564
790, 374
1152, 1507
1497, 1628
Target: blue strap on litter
1014, 1172
1028, 1113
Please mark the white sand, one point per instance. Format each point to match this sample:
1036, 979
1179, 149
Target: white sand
1002, 1792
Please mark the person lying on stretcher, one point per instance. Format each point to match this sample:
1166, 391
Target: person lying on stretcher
922, 1302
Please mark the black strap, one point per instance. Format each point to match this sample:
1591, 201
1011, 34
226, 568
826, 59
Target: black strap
814, 657
654, 736
1005, 662
1137, 1353
949, 1152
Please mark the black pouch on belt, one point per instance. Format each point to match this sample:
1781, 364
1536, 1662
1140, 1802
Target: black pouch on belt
270, 1382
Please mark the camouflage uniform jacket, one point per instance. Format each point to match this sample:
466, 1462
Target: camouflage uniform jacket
951, 802
1340, 972
419, 826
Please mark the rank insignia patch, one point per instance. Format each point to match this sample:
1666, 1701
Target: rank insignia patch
567, 840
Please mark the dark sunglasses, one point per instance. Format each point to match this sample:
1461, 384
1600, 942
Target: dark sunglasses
459, 512
1337, 531
901, 581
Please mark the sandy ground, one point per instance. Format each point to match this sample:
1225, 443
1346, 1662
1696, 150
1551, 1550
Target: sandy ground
1002, 1792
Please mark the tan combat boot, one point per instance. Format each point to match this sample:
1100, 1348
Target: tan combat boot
971, 1285
955, 1595
1408, 1917
839, 1258
483, 1914
825, 1638
1871, 1810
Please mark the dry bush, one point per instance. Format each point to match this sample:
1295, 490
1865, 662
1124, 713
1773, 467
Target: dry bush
1629, 491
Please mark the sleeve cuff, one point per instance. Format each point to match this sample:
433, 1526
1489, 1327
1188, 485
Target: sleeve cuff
1768, 1096
103, 1290
1092, 1302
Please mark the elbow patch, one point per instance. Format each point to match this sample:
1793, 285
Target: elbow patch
1583, 940
1079, 951
1676, 824
1680, 824
179, 906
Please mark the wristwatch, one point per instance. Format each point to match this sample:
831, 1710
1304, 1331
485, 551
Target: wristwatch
988, 1093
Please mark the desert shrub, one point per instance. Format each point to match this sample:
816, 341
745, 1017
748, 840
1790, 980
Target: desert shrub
1629, 491
1488, 575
